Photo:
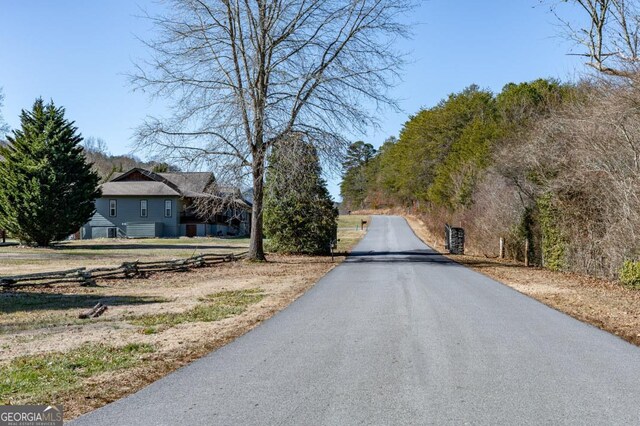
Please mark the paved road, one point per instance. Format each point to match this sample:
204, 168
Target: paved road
400, 335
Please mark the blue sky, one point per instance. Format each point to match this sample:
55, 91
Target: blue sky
79, 52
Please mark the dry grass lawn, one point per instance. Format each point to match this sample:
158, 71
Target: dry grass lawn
604, 304
16, 260
152, 326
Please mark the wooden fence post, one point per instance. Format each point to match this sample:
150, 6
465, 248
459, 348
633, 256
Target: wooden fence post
526, 252
501, 248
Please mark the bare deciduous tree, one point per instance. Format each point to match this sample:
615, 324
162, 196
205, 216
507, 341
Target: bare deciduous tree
97, 145
243, 75
4, 127
609, 32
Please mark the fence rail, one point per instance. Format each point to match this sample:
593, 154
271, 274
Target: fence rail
136, 269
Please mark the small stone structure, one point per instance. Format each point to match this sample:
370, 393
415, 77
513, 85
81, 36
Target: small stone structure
454, 239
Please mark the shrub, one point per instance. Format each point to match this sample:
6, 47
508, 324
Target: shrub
299, 213
630, 273
553, 242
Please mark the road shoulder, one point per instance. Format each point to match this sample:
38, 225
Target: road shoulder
601, 303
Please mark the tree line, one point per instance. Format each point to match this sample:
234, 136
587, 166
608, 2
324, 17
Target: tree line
106, 164
549, 163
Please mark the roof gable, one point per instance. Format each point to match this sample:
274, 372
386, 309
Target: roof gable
134, 175
137, 174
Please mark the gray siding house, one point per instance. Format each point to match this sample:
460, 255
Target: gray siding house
143, 204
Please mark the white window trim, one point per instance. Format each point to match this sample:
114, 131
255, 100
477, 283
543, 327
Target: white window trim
170, 209
115, 208
146, 208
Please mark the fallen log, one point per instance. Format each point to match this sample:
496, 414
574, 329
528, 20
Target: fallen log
101, 310
94, 312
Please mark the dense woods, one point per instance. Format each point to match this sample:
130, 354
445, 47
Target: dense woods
554, 164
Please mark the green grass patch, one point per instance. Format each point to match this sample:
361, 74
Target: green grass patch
215, 307
38, 378
236, 297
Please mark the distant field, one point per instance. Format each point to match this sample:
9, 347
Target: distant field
351, 221
350, 231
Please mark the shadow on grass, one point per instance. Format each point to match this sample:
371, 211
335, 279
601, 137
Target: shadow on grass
27, 302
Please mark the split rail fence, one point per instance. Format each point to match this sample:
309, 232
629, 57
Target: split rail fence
136, 269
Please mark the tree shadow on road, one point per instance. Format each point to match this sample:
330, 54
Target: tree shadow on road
405, 256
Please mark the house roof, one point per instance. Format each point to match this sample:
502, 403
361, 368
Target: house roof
138, 188
190, 184
137, 182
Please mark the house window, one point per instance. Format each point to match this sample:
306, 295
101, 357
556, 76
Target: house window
113, 208
168, 208
143, 208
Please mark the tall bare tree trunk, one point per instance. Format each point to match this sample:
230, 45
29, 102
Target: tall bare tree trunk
256, 247
243, 75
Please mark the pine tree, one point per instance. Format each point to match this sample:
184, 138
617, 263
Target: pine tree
47, 190
358, 154
299, 214
355, 182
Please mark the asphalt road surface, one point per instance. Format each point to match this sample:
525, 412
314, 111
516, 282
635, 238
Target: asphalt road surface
400, 335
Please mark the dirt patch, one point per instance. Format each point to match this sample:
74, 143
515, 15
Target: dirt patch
604, 304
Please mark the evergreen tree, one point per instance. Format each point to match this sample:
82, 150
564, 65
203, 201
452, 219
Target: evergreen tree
355, 183
358, 154
47, 190
299, 214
